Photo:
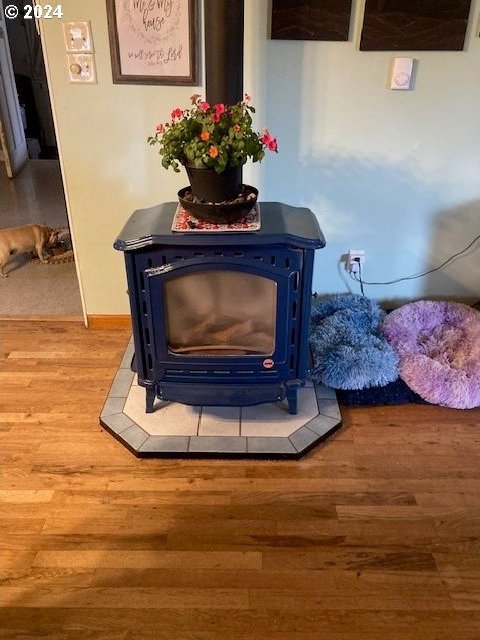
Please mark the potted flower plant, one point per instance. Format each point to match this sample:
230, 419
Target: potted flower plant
212, 142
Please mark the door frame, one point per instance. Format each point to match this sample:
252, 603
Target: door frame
40, 29
12, 135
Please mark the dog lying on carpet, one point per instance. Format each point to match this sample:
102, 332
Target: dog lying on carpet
31, 237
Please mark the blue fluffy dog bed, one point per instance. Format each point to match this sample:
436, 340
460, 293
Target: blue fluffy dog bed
348, 349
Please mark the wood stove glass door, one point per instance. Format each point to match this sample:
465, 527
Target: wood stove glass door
220, 313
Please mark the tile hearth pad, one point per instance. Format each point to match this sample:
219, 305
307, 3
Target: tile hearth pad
174, 429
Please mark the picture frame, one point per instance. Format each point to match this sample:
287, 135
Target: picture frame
303, 20
153, 42
415, 25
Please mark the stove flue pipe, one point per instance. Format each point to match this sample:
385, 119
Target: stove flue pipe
224, 50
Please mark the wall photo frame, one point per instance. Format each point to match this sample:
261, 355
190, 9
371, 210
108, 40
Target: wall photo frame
153, 41
415, 25
319, 20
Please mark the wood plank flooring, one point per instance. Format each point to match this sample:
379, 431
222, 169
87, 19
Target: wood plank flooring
373, 535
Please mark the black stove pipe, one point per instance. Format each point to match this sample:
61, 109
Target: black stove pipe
224, 51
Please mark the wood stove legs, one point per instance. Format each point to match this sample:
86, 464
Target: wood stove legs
150, 398
291, 396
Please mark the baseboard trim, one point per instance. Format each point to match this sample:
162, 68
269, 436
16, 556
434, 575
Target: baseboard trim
120, 322
7, 318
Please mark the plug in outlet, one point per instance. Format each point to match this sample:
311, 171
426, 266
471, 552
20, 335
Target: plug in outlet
355, 259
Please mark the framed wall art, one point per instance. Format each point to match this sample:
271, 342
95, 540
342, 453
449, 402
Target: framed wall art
319, 20
153, 41
415, 25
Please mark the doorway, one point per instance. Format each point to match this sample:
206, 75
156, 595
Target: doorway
31, 187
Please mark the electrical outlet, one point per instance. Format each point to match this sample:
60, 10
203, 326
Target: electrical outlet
355, 259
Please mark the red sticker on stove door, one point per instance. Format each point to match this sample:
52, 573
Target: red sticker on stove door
268, 363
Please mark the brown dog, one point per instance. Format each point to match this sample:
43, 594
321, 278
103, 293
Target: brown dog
31, 237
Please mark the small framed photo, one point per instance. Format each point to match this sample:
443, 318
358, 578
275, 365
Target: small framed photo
153, 42
78, 37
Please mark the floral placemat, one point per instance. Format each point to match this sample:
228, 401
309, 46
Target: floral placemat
185, 222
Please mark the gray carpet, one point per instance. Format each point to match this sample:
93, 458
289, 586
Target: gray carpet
36, 289
35, 196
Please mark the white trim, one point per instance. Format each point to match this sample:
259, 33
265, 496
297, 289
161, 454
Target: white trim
12, 134
62, 169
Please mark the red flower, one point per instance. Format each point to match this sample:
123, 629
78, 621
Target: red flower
266, 138
272, 144
177, 113
204, 106
220, 108
269, 142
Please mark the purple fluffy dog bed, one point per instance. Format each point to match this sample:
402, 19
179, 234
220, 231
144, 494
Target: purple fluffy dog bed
438, 344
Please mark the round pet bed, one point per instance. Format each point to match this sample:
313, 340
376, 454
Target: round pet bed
348, 349
438, 344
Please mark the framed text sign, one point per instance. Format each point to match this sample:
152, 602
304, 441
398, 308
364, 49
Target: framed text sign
153, 41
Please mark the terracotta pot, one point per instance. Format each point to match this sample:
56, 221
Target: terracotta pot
208, 185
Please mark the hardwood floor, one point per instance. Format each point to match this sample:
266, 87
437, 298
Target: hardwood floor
374, 534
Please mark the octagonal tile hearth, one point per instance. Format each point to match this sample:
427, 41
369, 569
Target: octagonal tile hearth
180, 430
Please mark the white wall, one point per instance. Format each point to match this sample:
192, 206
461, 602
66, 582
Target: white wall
394, 173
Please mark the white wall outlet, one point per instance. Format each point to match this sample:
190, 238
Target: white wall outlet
81, 68
401, 70
355, 260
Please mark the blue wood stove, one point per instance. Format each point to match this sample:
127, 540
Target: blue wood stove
221, 319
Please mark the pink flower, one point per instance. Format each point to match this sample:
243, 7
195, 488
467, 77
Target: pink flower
220, 108
160, 128
247, 97
266, 138
272, 144
204, 106
269, 141
177, 113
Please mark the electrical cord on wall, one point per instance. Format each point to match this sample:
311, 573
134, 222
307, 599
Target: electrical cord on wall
360, 275
361, 281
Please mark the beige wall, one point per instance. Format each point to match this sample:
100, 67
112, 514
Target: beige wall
109, 170
395, 173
